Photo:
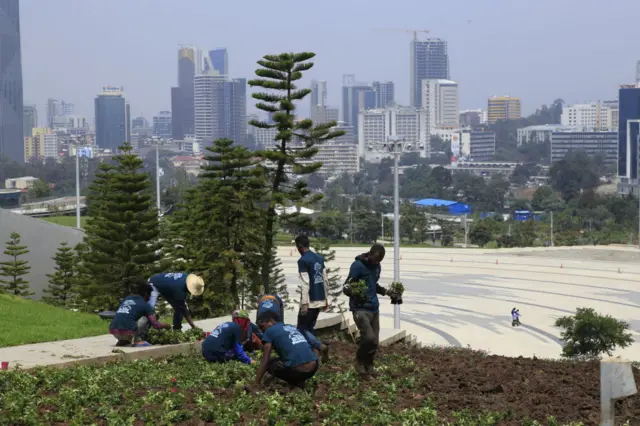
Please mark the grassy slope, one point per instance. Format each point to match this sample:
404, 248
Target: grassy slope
25, 321
66, 220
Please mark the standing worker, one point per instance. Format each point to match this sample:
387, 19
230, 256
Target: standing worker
313, 293
175, 287
366, 315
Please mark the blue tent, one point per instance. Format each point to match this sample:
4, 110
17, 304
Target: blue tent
454, 207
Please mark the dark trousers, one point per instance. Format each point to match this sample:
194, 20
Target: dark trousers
289, 374
307, 321
368, 324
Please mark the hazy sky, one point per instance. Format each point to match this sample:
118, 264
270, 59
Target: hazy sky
538, 50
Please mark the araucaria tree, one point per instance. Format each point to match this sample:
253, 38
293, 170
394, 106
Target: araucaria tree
294, 144
15, 268
62, 282
121, 232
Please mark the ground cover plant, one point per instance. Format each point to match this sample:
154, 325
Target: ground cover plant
27, 321
415, 387
172, 337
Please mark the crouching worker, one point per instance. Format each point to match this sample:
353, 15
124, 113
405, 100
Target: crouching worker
175, 287
252, 339
225, 341
272, 303
296, 362
132, 320
320, 348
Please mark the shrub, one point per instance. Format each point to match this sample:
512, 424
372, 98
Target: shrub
589, 334
492, 245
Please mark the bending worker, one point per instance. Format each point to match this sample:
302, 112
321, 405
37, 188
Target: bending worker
225, 341
175, 287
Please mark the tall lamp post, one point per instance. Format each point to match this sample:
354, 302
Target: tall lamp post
81, 151
396, 145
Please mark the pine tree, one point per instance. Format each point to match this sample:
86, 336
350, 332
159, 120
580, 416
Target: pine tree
334, 286
62, 281
294, 142
121, 232
216, 230
15, 268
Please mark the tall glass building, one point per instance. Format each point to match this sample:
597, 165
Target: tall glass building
355, 97
220, 60
11, 127
629, 109
429, 60
113, 119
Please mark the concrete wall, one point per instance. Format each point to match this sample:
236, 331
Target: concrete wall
42, 238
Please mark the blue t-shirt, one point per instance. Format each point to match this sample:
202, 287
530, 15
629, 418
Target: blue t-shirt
361, 269
312, 264
173, 287
290, 345
223, 338
130, 311
271, 303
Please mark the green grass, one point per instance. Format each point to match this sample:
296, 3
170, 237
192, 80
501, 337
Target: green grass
66, 220
26, 321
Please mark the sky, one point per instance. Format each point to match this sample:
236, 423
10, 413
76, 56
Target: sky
537, 50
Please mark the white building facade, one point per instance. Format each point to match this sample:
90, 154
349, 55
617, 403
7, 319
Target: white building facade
541, 133
591, 117
440, 103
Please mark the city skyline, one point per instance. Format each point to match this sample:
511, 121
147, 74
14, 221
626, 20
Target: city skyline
485, 59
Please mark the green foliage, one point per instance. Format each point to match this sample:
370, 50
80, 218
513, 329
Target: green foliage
332, 224
62, 282
447, 229
366, 226
15, 268
39, 189
590, 334
414, 224
481, 232
121, 233
573, 174
359, 290
172, 337
397, 288
294, 143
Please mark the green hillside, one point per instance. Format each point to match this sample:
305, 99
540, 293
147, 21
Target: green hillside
26, 321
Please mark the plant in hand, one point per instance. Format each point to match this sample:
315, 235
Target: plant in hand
397, 288
359, 289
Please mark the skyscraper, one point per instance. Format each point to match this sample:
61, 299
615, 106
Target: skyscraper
385, 93
11, 126
113, 119
30, 119
67, 108
440, 104
220, 108
318, 93
629, 98
182, 101
162, 124
53, 110
355, 97
219, 60
503, 108
429, 60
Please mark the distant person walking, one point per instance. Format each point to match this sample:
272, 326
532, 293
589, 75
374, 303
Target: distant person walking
515, 317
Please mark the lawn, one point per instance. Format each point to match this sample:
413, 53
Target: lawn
26, 321
66, 220
421, 387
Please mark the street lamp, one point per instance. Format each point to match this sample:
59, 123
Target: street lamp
396, 145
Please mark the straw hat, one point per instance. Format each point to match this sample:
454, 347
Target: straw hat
195, 285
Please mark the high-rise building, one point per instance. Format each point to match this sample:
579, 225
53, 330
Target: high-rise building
30, 119
322, 114
592, 117
503, 108
603, 144
440, 104
40, 144
318, 93
385, 94
429, 60
475, 146
54, 110
219, 60
220, 108
67, 108
11, 124
638, 72
629, 109
355, 98
182, 97
139, 123
113, 122
473, 117
162, 124
377, 125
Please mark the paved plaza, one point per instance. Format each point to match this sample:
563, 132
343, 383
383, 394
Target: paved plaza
463, 297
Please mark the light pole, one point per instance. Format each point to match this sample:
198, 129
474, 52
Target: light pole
396, 145
158, 178
78, 187
552, 244
382, 225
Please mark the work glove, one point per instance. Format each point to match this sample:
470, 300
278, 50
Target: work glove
396, 299
347, 290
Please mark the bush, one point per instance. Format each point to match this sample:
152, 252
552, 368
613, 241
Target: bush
589, 334
492, 245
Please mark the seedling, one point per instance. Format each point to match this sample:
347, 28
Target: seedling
359, 290
397, 288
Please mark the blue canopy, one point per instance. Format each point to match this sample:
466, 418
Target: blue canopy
454, 207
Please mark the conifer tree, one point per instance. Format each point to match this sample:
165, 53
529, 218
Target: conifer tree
15, 268
62, 282
121, 232
294, 143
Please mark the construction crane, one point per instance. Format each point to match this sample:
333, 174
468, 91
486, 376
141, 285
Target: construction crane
406, 30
